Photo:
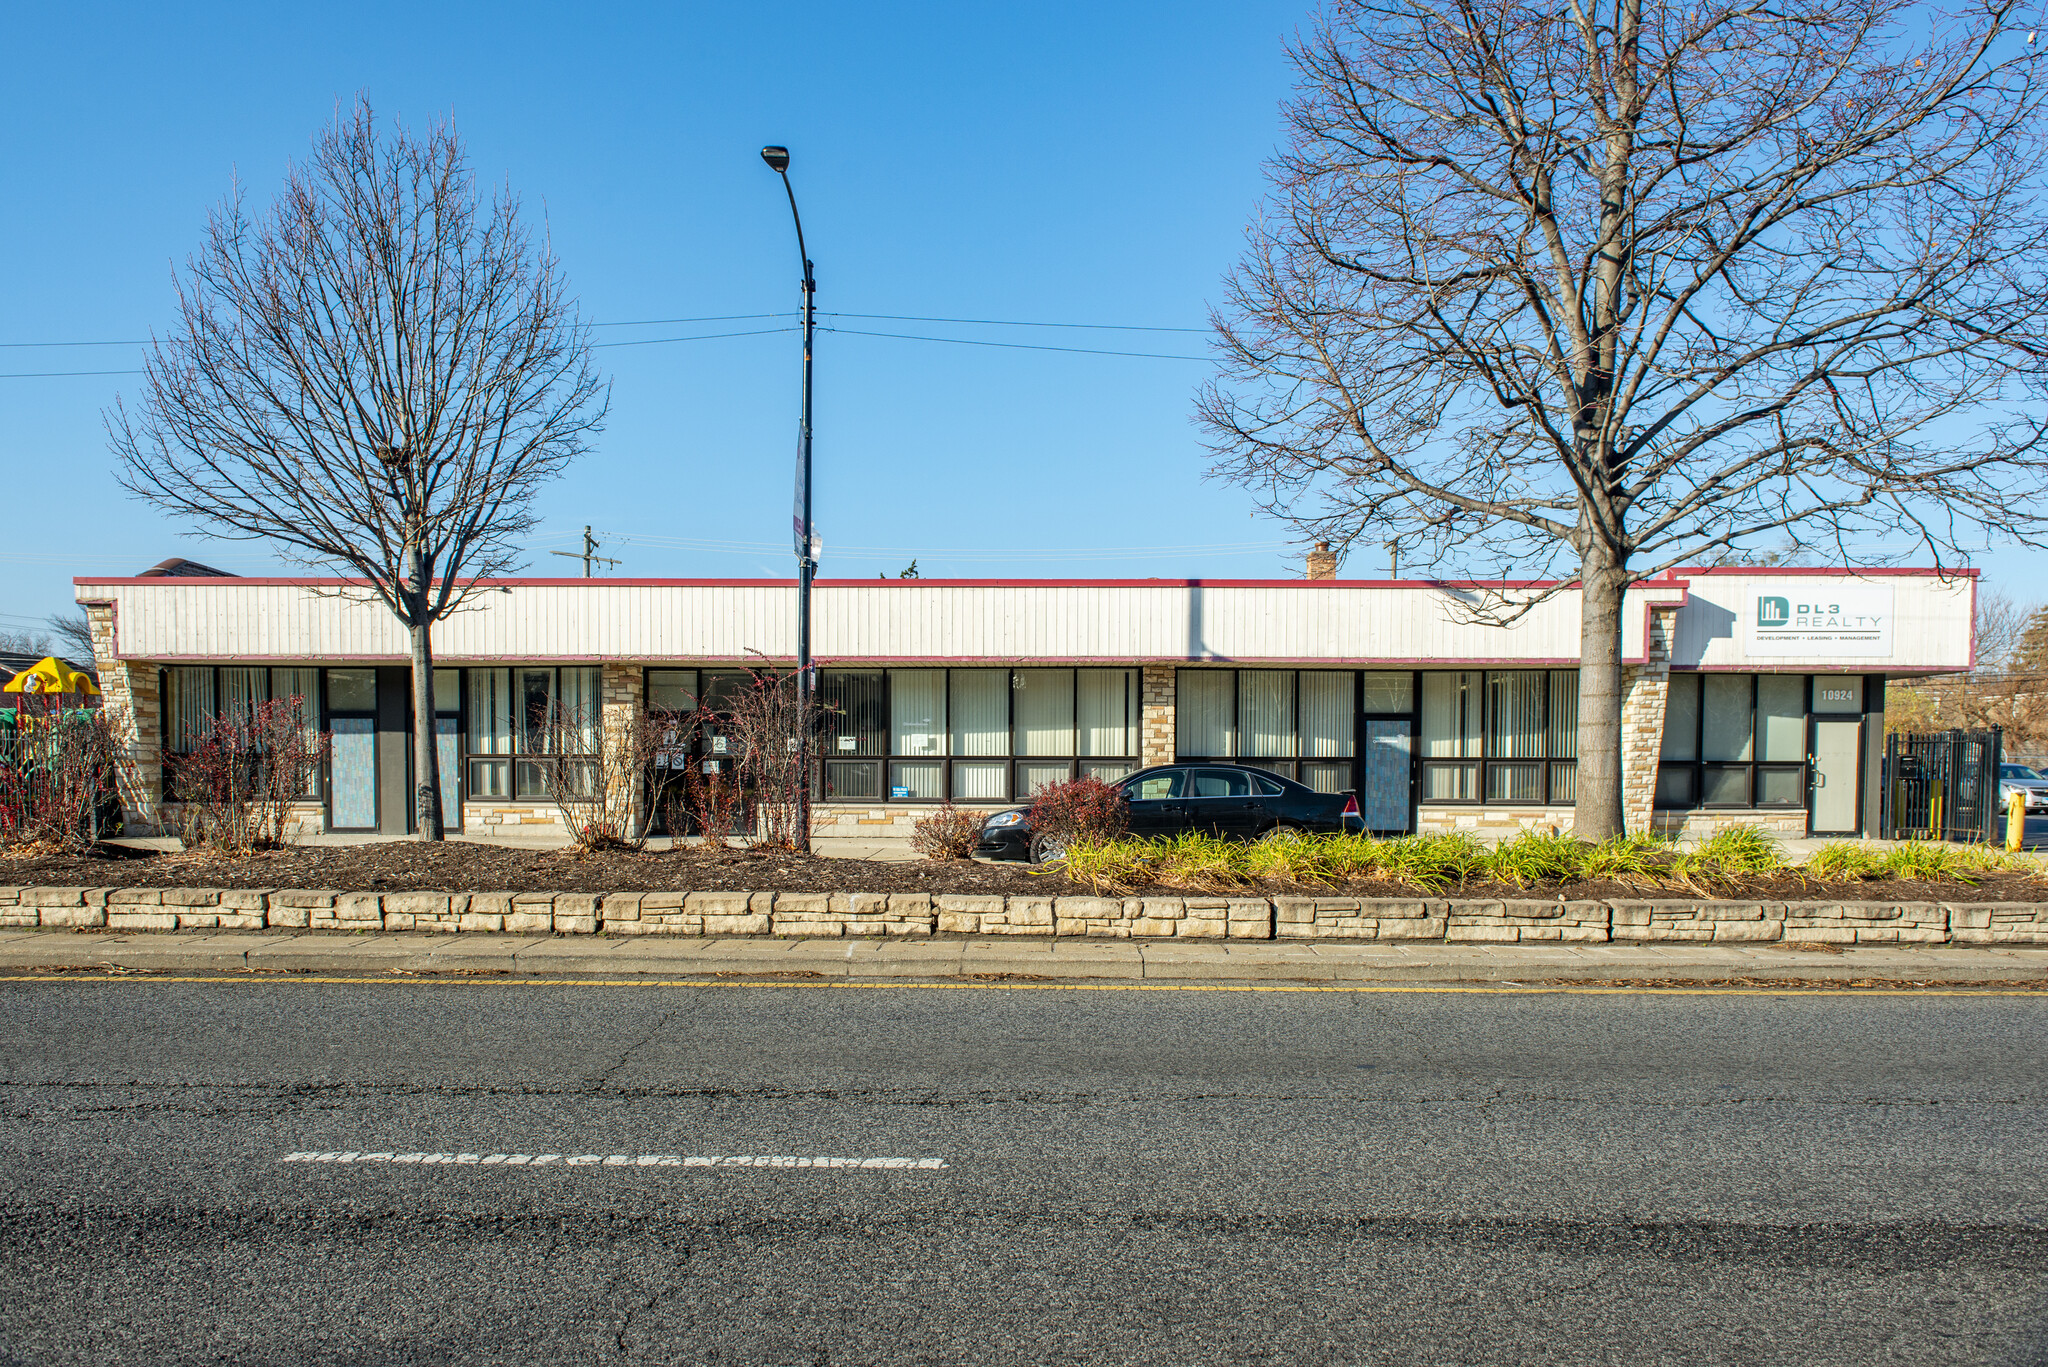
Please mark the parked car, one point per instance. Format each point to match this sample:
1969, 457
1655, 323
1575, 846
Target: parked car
2021, 778
1231, 800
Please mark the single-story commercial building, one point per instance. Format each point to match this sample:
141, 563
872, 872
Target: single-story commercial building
1753, 694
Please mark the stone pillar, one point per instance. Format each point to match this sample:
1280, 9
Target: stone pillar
1644, 690
625, 698
128, 690
1156, 724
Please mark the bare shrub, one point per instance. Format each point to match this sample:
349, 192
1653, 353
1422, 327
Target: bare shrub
947, 833
251, 766
59, 771
766, 721
595, 774
715, 803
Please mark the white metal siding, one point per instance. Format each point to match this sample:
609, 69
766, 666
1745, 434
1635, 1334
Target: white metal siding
1931, 627
1423, 624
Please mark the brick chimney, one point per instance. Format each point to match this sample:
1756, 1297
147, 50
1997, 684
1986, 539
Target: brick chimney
1322, 564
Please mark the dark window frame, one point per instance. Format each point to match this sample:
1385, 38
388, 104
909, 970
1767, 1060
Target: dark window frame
1291, 766
1485, 766
517, 756
1753, 769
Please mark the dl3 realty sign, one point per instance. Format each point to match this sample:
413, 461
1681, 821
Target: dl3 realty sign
1797, 621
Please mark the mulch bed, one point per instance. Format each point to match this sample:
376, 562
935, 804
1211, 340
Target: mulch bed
411, 866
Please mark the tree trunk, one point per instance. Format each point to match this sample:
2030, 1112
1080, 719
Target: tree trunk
1600, 812
426, 754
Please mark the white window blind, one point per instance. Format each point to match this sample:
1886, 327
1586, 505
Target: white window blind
490, 711
1326, 714
188, 702
1564, 714
1450, 715
581, 703
1108, 711
1265, 713
245, 688
917, 716
1044, 699
1205, 713
979, 702
1514, 727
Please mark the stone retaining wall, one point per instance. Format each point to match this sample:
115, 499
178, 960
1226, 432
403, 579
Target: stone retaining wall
1391, 919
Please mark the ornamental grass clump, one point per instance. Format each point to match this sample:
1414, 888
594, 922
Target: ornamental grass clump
1847, 861
1533, 858
1109, 866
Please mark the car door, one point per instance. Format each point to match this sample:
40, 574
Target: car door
1219, 802
1155, 801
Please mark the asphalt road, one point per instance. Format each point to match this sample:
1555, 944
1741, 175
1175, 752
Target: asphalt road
1153, 1176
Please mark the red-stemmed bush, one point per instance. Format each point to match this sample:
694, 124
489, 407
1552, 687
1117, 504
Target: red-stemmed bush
1086, 809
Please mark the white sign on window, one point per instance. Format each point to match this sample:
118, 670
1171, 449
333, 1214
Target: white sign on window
1813, 621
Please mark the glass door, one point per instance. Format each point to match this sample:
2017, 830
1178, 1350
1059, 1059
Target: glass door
352, 767
1389, 743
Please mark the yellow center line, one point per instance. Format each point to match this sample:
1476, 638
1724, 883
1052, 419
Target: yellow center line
1353, 988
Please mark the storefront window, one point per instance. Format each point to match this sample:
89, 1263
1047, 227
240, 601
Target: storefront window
522, 721
972, 735
1737, 740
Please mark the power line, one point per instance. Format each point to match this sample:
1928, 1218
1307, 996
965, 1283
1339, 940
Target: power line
1019, 346
739, 318
1008, 322
59, 374
706, 337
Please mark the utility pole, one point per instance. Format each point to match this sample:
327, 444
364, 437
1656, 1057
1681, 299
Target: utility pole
588, 554
777, 159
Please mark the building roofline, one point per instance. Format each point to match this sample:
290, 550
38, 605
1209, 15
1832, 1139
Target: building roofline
1671, 579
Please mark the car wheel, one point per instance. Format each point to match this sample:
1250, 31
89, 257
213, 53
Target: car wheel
1048, 849
1282, 835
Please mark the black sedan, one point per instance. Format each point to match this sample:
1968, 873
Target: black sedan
1232, 800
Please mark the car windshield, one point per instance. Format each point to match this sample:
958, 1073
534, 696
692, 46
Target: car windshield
2019, 771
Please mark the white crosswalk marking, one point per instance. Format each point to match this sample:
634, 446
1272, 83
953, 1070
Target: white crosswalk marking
613, 1160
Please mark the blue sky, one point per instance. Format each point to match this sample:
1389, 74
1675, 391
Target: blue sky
1052, 162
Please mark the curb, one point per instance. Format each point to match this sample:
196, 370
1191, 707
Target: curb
993, 960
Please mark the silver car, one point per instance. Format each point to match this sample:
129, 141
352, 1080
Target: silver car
2020, 778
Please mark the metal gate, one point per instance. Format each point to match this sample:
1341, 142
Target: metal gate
1942, 785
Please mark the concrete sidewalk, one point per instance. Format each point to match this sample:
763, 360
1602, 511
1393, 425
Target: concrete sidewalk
995, 958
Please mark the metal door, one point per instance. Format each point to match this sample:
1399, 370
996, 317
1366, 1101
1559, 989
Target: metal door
1387, 770
1837, 754
352, 799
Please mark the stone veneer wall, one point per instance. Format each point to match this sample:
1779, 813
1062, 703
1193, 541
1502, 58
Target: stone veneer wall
1156, 736
1645, 688
1504, 820
129, 691
841, 914
624, 693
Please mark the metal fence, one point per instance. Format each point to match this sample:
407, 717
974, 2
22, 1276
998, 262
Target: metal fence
1942, 785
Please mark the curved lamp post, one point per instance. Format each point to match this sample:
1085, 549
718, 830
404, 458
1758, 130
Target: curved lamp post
806, 561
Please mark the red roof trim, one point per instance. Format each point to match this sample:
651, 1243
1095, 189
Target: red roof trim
84, 581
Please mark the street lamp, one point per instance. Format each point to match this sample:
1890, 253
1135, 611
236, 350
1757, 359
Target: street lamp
806, 562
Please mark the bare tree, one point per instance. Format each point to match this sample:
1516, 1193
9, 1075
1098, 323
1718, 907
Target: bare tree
72, 632
1609, 286
377, 377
